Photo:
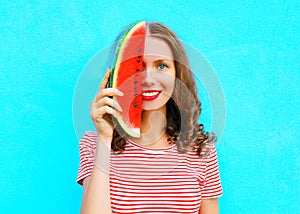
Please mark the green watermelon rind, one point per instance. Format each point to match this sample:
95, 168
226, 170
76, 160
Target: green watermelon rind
134, 132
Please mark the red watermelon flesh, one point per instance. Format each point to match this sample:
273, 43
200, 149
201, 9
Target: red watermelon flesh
127, 77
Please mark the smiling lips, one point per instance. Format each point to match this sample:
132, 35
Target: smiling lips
150, 95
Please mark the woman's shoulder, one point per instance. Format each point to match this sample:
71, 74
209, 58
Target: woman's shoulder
207, 153
89, 139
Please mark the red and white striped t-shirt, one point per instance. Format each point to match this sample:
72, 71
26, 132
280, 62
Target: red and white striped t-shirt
152, 180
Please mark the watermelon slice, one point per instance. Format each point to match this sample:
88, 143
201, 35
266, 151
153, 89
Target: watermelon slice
127, 67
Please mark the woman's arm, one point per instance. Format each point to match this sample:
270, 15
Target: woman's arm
96, 195
209, 206
212, 188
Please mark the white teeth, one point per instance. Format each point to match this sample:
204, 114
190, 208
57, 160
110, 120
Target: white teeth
150, 94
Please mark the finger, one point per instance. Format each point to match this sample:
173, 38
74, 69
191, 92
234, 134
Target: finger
98, 114
108, 92
108, 101
105, 80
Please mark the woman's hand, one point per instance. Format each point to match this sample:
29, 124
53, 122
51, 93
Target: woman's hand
103, 107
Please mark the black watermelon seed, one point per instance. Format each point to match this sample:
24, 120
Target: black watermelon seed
139, 56
137, 69
138, 60
139, 49
135, 104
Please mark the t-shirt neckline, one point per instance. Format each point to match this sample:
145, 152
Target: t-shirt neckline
150, 149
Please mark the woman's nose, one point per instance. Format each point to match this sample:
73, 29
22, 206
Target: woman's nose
148, 77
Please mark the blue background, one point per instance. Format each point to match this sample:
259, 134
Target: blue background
253, 47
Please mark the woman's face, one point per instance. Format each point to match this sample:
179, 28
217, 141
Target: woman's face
158, 74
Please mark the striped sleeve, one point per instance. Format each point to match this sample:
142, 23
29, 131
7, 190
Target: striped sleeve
87, 148
212, 184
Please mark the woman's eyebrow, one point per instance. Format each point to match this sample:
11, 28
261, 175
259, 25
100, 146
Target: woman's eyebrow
163, 60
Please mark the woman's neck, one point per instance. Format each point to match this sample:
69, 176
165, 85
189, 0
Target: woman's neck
153, 129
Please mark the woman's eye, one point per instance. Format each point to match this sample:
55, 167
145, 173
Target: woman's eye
162, 66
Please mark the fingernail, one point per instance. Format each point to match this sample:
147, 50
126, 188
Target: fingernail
120, 93
120, 109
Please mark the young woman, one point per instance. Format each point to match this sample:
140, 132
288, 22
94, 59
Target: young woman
172, 167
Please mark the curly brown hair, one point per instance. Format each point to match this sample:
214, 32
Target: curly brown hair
183, 108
